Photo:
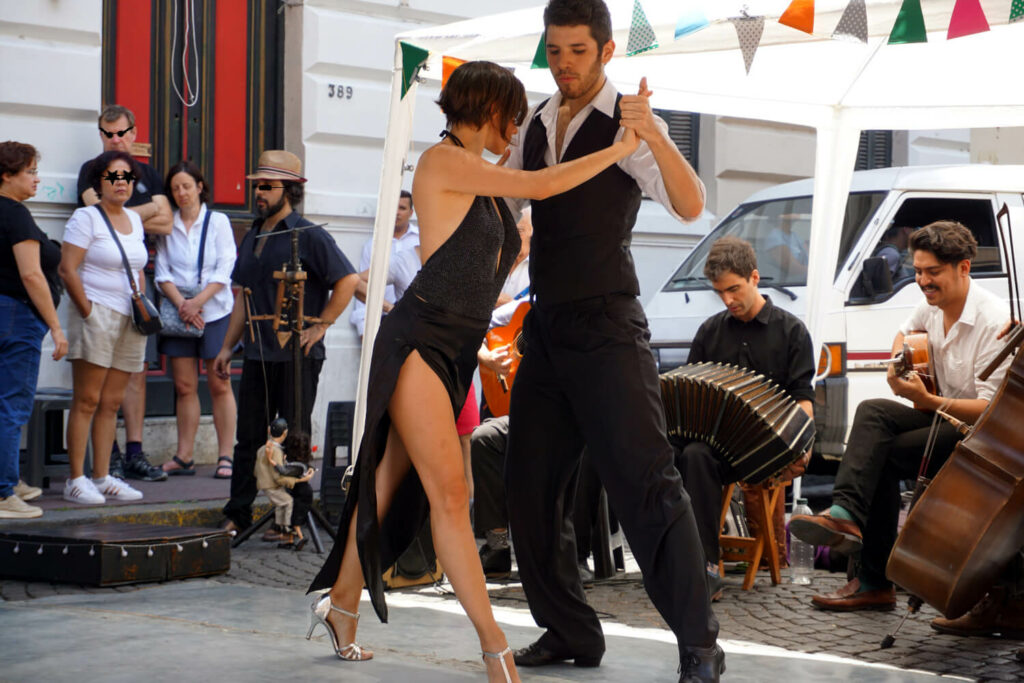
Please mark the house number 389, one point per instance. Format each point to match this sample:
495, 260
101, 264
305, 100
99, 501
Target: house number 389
341, 92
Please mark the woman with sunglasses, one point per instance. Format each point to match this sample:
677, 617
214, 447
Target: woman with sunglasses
424, 357
104, 347
29, 294
204, 300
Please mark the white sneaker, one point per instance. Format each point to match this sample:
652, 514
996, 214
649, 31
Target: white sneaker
82, 490
13, 507
116, 489
26, 492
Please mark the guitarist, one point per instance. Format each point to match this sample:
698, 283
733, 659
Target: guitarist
755, 334
888, 438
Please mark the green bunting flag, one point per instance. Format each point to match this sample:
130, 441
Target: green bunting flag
412, 60
1017, 10
909, 26
540, 57
641, 33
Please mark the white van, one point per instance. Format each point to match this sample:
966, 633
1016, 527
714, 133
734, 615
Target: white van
867, 301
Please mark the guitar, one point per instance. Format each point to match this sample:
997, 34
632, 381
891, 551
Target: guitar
914, 358
498, 388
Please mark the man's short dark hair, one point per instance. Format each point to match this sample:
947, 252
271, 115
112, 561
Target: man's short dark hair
16, 157
478, 90
100, 164
951, 242
730, 255
405, 194
591, 13
197, 175
112, 112
293, 192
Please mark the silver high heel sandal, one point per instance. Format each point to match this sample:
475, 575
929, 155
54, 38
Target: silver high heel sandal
500, 656
320, 609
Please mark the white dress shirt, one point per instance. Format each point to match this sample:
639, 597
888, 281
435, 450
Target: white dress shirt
102, 271
408, 241
177, 259
641, 164
960, 356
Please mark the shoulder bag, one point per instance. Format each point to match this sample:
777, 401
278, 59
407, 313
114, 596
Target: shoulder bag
145, 317
174, 326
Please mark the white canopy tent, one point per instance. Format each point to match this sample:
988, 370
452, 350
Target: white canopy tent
837, 87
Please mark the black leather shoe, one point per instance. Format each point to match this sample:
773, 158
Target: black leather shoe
536, 654
701, 665
497, 562
138, 467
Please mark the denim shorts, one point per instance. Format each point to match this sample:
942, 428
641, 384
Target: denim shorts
106, 338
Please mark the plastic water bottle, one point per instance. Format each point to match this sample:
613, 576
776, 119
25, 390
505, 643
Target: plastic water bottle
801, 553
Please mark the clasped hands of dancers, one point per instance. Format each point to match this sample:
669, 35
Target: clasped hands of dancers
611, 147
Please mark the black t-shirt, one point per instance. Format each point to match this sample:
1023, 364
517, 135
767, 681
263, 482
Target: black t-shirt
147, 185
16, 225
321, 259
775, 344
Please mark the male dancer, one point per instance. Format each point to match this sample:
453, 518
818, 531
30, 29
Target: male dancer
588, 376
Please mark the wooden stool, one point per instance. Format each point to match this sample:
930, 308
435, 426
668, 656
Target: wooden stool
752, 549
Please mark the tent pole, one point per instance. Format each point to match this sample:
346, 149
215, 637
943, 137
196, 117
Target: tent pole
396, 145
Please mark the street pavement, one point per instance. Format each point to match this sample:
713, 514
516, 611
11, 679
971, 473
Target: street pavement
249, 624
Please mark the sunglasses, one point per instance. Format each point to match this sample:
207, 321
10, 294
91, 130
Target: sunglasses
266, 187
118, 133
113, 176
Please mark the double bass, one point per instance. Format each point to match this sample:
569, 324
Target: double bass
969, 523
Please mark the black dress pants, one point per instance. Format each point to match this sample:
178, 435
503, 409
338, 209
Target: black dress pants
265, 391
588, 378
704, 474
886, 445
487, 451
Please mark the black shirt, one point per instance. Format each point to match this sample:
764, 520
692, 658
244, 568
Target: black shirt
321, 259
775, 343
147, 185
16, 225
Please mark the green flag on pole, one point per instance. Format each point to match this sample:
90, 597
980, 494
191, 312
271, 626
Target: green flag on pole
909, 26
412, 59
540, 57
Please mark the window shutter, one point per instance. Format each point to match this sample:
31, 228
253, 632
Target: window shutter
875, 150
684, 130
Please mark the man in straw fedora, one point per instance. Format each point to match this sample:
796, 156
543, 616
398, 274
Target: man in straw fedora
265, 391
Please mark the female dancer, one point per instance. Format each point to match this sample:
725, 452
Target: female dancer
424, 357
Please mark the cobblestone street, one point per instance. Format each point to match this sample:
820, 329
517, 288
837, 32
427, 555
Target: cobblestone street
778, 616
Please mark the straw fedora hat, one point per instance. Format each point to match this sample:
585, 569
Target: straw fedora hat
277, 164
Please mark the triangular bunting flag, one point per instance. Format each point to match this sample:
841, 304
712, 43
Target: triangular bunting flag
448, 65
799, 15
540, 57
641, 34
853, 25
749, 30
412, 59
968, 18
693, 21
909, 26
1017, 10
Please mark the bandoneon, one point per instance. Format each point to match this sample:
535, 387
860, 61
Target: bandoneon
746, 418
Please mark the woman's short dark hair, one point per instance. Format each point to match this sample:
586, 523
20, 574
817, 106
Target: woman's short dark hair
478, 90
197, 175
294, 192
100, 164
591, 13
730, 255
16, 157
297, 447
951, 242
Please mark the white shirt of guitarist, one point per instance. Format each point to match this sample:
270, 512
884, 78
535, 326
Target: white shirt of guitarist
960, 356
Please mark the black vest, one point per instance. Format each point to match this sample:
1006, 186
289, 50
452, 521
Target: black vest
580, 245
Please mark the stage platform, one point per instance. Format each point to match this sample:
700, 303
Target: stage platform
212, 630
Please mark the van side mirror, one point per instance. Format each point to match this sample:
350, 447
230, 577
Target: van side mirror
875, 279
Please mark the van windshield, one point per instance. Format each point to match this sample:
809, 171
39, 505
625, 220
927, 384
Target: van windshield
779, 231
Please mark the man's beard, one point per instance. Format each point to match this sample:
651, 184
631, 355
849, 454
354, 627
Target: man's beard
265, 211
586, 81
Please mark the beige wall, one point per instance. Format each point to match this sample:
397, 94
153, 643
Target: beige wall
997, 146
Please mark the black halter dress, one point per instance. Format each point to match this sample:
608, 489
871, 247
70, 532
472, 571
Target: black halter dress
443, 315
